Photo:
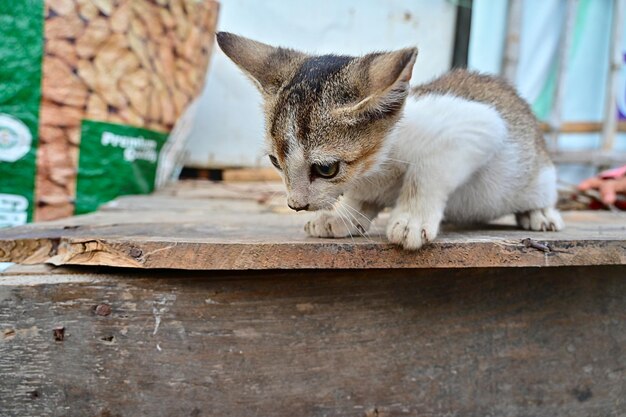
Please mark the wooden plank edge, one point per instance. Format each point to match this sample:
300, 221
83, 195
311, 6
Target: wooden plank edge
151, 254
28, 251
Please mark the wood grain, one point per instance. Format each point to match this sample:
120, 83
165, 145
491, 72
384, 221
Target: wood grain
472, 343
248, 226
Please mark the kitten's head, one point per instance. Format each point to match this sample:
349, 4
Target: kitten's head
327, 117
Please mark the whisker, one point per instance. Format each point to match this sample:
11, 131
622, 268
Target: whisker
356, 222
349, 208
341, 217
357, 211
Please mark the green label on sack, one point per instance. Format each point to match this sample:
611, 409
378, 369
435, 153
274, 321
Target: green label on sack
115, 160
21, 50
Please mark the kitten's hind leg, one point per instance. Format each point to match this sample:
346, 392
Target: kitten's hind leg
546, 219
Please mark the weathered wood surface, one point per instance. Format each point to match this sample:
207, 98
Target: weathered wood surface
195, 225
472, 343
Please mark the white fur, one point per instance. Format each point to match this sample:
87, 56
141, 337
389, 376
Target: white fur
452, 158
446, 140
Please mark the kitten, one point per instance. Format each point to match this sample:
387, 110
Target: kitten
350, 138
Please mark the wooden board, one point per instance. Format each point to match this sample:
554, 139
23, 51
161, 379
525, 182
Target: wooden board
472, 343
200, 225
581, 127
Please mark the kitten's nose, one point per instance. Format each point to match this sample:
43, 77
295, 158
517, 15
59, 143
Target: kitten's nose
298, 208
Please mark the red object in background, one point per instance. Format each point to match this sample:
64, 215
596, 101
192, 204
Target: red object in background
614, 173
598, 205
592, 197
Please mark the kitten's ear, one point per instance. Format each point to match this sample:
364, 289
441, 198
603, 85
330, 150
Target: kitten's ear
267, 66
383, 80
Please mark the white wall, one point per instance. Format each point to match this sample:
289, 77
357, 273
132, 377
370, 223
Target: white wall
228, 130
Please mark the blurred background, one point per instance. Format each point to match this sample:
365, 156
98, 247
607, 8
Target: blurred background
566, 57
103, 98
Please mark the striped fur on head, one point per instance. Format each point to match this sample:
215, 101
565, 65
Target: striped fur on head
324, 109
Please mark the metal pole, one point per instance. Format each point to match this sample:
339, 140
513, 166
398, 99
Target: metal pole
510, 59
609, 130
565, 44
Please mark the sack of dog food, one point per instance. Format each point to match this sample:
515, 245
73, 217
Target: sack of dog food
90, 91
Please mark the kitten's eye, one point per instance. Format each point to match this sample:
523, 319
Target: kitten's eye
274, 162
327, 170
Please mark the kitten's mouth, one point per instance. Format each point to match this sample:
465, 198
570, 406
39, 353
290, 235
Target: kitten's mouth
300, 208
311, 207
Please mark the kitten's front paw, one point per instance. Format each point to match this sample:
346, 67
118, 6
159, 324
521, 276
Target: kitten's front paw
409, 231
330, 224
547, 219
